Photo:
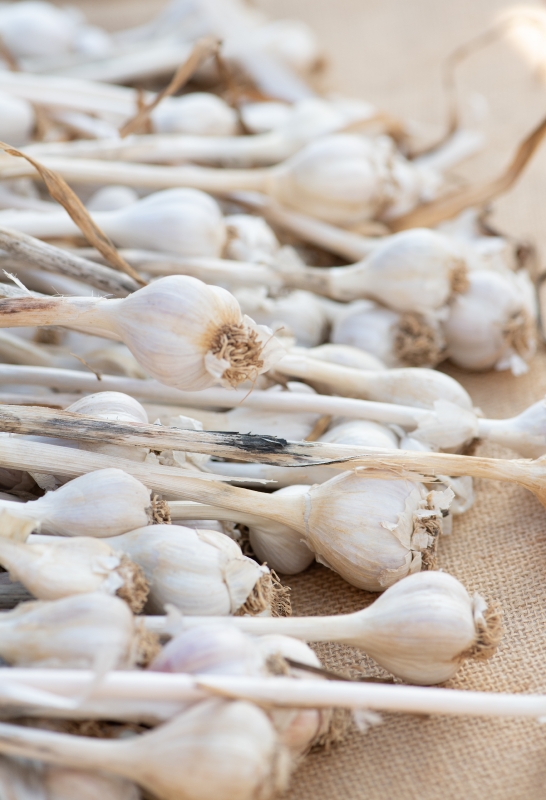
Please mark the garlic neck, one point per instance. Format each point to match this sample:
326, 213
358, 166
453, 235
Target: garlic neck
182, 509
342, 628
31, 311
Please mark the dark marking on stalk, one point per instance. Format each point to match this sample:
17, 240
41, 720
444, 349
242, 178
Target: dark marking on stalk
17, 305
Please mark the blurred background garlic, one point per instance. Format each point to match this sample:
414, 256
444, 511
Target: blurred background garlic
198, 571
62, 783
397, 339
86, 631
298, 314
186, 222
17, 119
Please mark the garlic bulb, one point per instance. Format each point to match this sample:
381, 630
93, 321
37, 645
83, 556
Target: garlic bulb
342, 354
398, 339
85, 631
297, 314
196, 113
17, 119
110, 198
294, 427
112, 406
346, 179
421, 629
291, 41
186, 222
184, 333
198, 571
389, 528
216, 750
103, 503
37, 29
51, 567
492, 324
249, 238
417, 271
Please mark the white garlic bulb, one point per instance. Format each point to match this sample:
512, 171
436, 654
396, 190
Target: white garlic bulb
345, 179
110, 198
416, 270
86, 631
398, 339
492, 324
52, 567
185, 222
113, 406
249, 238
216, 750
389, 528
197, 113
103, 503
292, 41
183, 333
198, 571
298, 314
420, 629
37, 29
17, 120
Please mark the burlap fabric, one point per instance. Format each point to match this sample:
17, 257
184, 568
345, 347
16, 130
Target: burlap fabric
390, 53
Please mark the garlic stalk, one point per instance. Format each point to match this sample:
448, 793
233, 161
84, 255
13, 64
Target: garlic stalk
199, 570
106, 502
420, 629
308, 119
181, 221
181, 331
343, 179
80, 631
492, 324
51, 567
198, 113
398, 339
216, 750
66, 784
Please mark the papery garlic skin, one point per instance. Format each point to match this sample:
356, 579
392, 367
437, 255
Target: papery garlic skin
198, 338
298, 314
197, 113
75, 784
200, 572
87, 631
396, 339
492, 324
372, 532
103, 503
216, 750
280, 546
420, 628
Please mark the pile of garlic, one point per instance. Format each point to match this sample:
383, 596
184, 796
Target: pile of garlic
218, 364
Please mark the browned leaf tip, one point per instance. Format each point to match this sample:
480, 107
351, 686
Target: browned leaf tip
63, 194
452, 204
202, 49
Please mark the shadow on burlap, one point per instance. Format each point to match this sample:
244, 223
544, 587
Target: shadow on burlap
390, 53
